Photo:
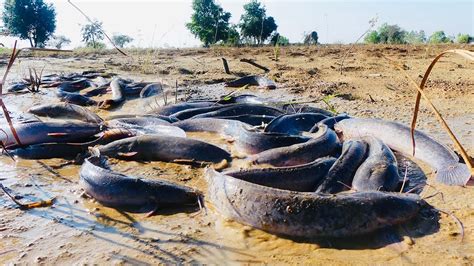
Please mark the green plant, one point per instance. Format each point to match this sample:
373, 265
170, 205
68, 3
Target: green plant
439, 37
209, 22
121, 40
464, 38
327, 100
372, 37
92, 34
254, 24
31, 20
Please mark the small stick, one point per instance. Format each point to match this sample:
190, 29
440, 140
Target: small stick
38, 204
100, 28
404, 179
176, 93
458, 221
226, 66
254, 64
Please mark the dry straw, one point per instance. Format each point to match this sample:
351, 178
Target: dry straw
464, 53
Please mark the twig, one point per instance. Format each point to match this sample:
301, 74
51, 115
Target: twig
458, 221
437, 114
226, 66
464, 53
176, 93
250, 61
27, 206
100, 28
404, 179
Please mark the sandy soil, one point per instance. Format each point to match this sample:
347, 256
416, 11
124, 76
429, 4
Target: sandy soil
77, 230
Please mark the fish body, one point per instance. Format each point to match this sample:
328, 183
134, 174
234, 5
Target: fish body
308, 214
320, 144
379, 171
120, 191
164, 148
339, 177
66, 110
398, 137
304, 177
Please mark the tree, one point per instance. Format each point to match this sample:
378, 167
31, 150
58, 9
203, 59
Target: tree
254, 23
58, 41
233, 37
439, 37
372, 37
121, 40
209, 22
92, 34
31, 20
311, 38
391, 34
464, 38
415, 37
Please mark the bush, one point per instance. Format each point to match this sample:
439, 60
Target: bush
439, 37
372, 37
464, 38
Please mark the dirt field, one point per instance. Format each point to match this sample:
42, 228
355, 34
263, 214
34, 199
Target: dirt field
77, 230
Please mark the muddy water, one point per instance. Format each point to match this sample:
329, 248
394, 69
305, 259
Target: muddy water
76, 229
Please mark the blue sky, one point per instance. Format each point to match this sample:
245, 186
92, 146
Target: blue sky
160, 23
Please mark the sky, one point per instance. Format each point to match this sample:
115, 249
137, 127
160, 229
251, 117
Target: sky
161, 23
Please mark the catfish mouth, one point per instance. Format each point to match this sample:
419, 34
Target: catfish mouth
340, 134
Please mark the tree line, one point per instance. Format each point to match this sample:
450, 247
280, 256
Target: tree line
35, 21
394, 34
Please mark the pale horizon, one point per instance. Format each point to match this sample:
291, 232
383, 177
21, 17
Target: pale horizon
161, 24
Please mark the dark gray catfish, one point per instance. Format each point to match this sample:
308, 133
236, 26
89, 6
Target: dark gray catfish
164, 148
47, 132
246, 140
243, 98
294, 124
379, 171
75, 98
174, 108
151, 89
398, 137
118, 94
304, 177
339, 177
297, 108
65, 110
253, 80
188, 113
308, 214
322, 143
242, 109
131, 193
254, 120
49, 151
330, 122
